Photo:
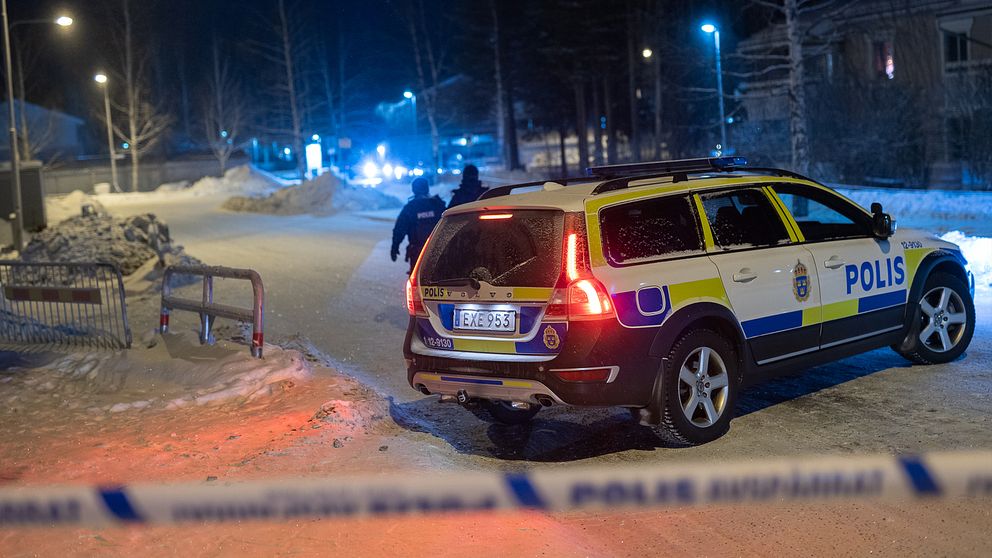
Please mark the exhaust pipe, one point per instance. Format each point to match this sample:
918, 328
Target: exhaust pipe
544, 400
423, 389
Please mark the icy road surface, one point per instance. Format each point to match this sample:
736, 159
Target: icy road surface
330, 279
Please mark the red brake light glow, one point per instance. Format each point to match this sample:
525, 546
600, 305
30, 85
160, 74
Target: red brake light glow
571, 257
494, 216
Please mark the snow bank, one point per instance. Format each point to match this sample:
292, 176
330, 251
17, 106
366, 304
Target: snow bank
176, 373
324, 195
128, 243
978, 252
60, 208
934, 210
241, 179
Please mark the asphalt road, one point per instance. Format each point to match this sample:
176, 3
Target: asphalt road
330, 279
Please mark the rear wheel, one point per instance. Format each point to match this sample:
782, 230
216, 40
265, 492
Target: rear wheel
505, 412
945, 321
698, 391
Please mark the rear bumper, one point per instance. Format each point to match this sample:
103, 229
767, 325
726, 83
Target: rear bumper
521, 378
505, 389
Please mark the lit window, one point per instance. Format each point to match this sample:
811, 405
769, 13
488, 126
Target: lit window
884, 60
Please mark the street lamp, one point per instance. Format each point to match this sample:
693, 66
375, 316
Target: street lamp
15, 157
412, 97
648, 55
101, 78
710, 28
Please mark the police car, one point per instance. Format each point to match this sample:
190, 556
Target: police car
664, 287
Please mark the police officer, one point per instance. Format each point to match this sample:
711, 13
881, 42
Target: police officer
416, 221
470, 189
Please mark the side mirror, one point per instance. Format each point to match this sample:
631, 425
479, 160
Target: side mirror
881, 223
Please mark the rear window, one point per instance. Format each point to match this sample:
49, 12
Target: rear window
523, 250
650, 229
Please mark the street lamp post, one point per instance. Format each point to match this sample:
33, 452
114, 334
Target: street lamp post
15, 157
649, 55
710, 28
413, 101
102, 80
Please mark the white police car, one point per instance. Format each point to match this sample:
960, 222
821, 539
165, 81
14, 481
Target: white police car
663, 287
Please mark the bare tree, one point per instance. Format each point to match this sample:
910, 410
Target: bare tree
284, 52
146, 123
34, 133
429, 67
788, 57
224, 110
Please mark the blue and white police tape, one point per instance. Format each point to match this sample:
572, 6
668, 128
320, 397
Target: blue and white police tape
819, 479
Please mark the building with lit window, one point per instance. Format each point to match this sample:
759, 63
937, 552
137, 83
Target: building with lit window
898, 92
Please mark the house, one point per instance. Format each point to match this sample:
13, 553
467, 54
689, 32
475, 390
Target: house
898, 92
50, 134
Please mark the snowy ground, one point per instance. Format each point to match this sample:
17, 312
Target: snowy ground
330, 279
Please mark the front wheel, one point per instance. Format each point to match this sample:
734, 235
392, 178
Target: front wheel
945, 322
698, 390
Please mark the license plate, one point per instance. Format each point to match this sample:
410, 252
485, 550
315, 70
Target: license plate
476, 319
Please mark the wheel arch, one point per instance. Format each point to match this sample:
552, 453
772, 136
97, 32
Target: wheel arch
946, 261
702, 315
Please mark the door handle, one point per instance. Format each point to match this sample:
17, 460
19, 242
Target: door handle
744, 276
834, 262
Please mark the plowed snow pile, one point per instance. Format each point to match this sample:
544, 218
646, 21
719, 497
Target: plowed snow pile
128, 243
242, 180
323, 195
175, 373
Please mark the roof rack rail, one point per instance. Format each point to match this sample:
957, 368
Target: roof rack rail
509, 188
704, 164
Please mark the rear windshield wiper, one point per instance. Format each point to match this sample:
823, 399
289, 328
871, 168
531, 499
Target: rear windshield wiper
458, 282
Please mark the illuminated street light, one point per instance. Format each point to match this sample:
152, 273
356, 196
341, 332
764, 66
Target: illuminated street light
17, 223
646, 53
710, 28
408, 94
101, 78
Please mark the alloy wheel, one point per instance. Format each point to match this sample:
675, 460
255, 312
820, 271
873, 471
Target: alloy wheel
703, 387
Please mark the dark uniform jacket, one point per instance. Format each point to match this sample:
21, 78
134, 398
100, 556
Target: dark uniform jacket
416, 221
467, 192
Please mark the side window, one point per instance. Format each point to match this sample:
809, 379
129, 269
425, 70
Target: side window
650, 229
743, 219
822, 215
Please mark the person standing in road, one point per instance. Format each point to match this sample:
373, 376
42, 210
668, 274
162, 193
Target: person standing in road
416, 221
470, 189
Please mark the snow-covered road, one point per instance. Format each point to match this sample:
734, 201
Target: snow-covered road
330, 279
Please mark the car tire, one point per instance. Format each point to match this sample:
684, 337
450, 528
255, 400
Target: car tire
503, 413
948, 338
687, 410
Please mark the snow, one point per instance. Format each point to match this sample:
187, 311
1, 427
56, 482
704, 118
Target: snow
938, 211
242, 179
978, 252
323, 195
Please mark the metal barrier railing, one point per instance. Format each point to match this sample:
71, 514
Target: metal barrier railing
208, 309
63, 304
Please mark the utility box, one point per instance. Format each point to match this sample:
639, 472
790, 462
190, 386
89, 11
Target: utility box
32, 195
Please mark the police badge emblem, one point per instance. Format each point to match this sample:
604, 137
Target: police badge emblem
551, 339
800, 282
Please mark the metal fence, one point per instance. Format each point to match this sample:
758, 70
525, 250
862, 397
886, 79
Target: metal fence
207, 309
63, 304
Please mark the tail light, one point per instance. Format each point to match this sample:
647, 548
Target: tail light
578, 295
414, 303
